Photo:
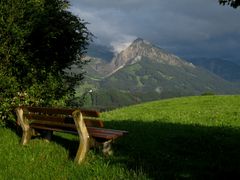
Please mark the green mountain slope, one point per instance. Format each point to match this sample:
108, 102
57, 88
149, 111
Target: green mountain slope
150, 76
144, 72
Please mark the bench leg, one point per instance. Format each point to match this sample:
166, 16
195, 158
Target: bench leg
26, 136
83, 135
27, 131
82, 151
107, 148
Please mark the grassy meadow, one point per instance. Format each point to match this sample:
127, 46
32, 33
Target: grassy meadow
179, 138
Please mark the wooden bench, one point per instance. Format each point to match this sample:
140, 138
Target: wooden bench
85, 123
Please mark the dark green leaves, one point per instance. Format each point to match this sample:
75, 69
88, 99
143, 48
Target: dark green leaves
233, 3
39, 40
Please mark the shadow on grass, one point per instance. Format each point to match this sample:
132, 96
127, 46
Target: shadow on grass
171, 151
14, 127
69, 142
177, 151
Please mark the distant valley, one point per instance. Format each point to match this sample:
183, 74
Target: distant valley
144, 72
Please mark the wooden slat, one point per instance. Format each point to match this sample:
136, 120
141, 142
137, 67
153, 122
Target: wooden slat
104, 136
107, 132
53, 124
93, 132
45, 110
91, 113
93, 122
53, 129
94, 135
88, 121
49, 118
112, 131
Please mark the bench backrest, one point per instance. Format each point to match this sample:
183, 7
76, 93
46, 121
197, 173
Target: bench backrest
63, 111
59, 118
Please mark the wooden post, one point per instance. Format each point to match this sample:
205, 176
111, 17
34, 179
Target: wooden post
107, 148
26, 136
84, 136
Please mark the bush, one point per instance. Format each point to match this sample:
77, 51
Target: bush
8, 89
44, 94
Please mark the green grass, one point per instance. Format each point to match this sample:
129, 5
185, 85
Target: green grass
181, 138
42, 160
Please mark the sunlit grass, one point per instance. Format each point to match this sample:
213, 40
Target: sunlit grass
181, 138
42, 160
204, 110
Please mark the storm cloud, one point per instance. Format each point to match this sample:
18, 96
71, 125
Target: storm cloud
188, 28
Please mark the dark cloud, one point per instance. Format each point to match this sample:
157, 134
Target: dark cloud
186, 27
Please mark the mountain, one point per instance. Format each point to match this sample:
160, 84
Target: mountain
144, 72
226, 69
141, 48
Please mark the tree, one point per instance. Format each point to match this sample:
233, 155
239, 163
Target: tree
233, 3
40, 40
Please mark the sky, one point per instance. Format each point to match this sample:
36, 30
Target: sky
187, 28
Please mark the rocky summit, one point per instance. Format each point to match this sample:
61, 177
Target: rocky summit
143, 49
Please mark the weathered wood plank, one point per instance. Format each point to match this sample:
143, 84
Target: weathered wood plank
36, 126
111, 131
46, 110
90, 122
44, 117
53, 124
104, 136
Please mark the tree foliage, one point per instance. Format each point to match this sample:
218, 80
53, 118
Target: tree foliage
40, 40
233, 3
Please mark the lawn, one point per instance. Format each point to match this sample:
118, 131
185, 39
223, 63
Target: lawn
180, 138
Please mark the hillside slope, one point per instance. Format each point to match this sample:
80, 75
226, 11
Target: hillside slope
226, 69
217, 110
183, 138
179, 138
144, 72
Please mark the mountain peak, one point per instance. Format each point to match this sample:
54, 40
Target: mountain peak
142, 49
140, 41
